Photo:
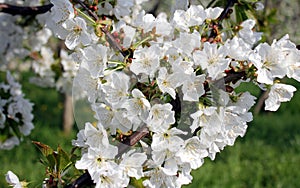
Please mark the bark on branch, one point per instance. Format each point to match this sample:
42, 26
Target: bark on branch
132, 140
24, 10
226, 10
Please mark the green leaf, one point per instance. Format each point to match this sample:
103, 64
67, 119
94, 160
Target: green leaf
250, 14
52, 163
136, 183
45, 149
64, 160
240, 12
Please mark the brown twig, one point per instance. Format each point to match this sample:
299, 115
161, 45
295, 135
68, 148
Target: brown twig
226, 10
234, 77
260, 102
24, 10
84, 180
132, 140
85, 7
231, 76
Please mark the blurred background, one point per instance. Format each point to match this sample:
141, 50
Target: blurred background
267, 156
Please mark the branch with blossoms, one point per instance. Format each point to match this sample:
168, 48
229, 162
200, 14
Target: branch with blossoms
162, 90
240, 69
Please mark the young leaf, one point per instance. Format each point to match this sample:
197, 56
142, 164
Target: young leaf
45, 149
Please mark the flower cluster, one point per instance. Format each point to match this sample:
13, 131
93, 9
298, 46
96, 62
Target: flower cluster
15, 114
17, 37
51, 72
28, 43
10, 36
164, 89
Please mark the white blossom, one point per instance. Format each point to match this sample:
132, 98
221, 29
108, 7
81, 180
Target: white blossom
123, 8
259, 6
9, 143
166, 63
116, 88
187, 43
61, 11
279, 93
247, 34
77, 33
14, 108
101, 166
146, 60
145, 21
192, 152
193, 16
160, 117
123, 122
269, 61
193, 87
212, 59
138, 105
162, 26
213, 13
95, 57
293, 61
13, 180
95, 136
167, 82
237, 49
167, 140
132, 164
157, 178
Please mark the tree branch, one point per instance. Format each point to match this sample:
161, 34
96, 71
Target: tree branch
84, 180
260, 102
230, 77
223, 15
234, 77
132, 140
24, 10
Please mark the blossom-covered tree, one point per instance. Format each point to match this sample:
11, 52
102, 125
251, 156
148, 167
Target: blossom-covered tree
162, 88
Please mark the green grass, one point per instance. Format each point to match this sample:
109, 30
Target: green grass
24, 159
268, 155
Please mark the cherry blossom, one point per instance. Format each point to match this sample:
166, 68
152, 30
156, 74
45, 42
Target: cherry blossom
146, 60
77, 32
279, 93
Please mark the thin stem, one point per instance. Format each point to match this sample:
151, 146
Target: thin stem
115, 62
86, 16
141, 42
91, 13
